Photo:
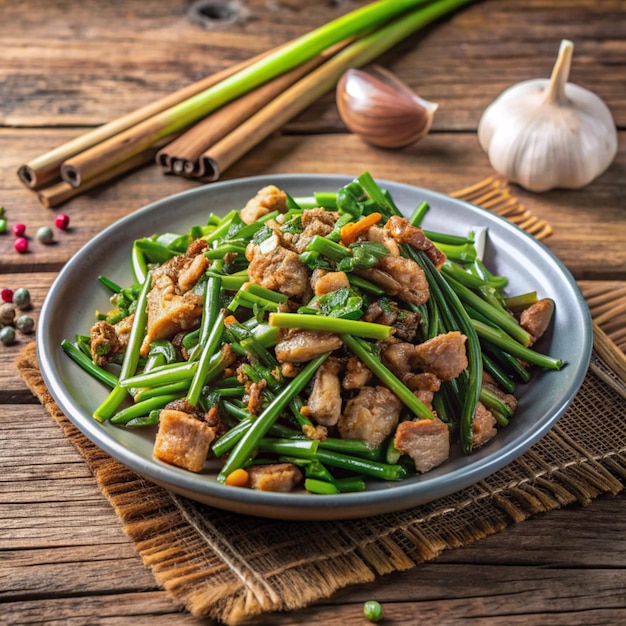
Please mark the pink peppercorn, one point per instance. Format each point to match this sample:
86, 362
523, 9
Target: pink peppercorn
62, 221
19, 229
7, 295
21, 244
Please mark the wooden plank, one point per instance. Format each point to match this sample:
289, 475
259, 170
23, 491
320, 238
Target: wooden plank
65, 541
589, 219
65, 68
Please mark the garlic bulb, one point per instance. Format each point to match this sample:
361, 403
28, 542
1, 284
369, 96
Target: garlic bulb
381, 109
544, 134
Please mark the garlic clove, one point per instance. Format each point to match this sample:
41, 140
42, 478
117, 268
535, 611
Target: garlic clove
543, 134
381, 109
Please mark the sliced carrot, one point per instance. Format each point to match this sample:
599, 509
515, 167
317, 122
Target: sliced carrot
238, 478
230, 319
351, 231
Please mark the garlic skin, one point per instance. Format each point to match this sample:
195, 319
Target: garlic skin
544, 134
381, 109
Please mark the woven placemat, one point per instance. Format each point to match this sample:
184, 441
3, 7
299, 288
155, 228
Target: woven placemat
235, 568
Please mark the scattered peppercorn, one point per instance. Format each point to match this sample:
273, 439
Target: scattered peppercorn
62, 221
25, 324
7, 335
7, 314
7, 295
19, 229
21, 244
44, 234
3, 225
21, 298
373, 611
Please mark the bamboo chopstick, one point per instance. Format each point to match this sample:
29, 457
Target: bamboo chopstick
46, 169
181, 155
307, 90
97, 159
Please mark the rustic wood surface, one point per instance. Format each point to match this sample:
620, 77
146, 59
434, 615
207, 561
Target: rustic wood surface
66, 67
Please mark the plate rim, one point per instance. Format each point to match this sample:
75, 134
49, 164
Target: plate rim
309, 506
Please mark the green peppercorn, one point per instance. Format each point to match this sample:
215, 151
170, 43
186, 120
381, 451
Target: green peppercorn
7, 314
26, 324
44, 234
373, 611
3, 225
7, 335
21, 298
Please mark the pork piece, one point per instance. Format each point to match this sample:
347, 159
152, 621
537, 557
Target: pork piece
324, 403
399, 277
274, 477
182, 405
182, 440
300, 346
380, 235
172, 305
444, 355
323, 281
192, 272
483, 426
381, 313
357, 374
399, 357
104, 343
426, 441
423, 385
372, 416
266, 200
316, 221
277, 268
404, 232
536, 318
406, 325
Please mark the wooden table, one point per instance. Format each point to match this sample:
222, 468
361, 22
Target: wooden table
66, 67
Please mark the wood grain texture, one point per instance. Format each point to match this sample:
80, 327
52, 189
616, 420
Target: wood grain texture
66, 67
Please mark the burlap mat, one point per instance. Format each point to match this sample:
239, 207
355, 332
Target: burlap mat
235, 568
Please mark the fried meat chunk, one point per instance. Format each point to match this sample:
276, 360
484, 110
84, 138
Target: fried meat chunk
426, 441
444, 355
372, 415
182, 440
281, 477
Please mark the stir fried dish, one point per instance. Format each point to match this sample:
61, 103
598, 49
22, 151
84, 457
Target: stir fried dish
313, 343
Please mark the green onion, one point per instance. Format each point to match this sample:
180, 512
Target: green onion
325, 323
239, 456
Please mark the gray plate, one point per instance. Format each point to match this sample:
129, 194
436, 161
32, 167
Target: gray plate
76, 294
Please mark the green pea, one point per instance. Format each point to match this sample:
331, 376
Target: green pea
25, 324
21, 298
373, 611
7, 335
3, 225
